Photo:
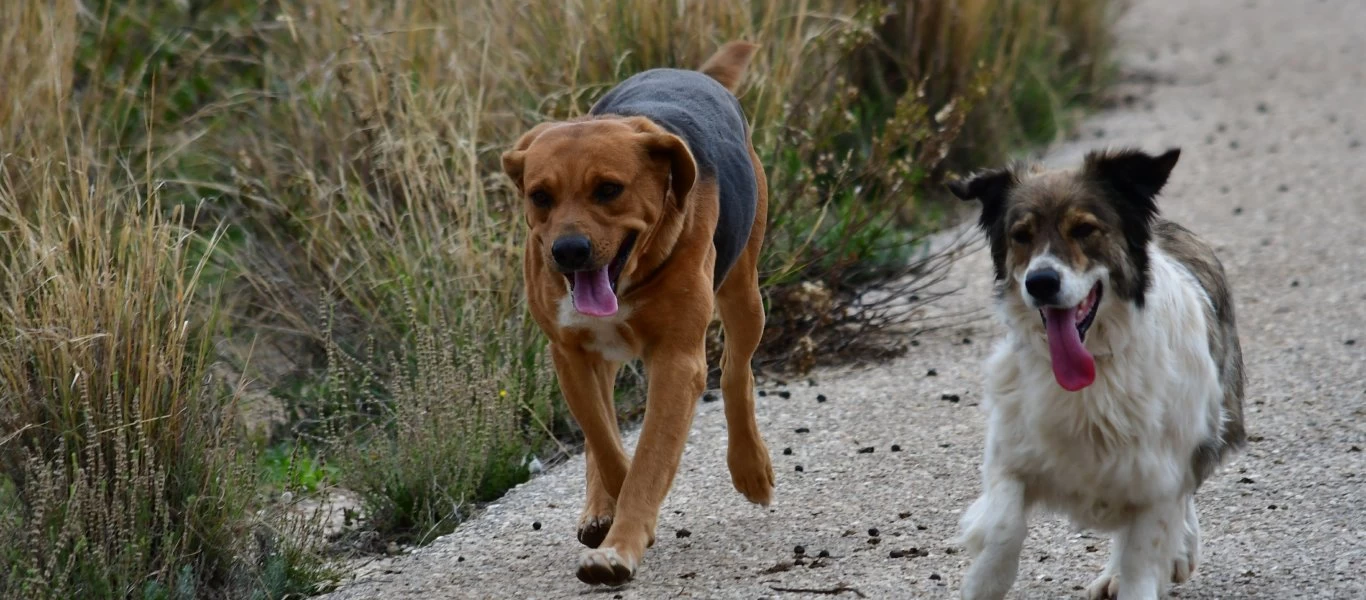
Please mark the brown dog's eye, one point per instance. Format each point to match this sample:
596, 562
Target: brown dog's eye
540, 199
1082, 231
607, 191
1021, 236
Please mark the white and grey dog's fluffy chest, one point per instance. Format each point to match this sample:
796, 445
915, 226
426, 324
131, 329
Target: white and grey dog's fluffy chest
1127, 439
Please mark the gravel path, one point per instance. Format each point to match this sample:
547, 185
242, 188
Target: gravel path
1266, 98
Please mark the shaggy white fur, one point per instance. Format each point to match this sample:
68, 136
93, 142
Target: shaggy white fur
1115, 456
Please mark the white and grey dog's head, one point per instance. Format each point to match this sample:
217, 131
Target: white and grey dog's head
1067, 243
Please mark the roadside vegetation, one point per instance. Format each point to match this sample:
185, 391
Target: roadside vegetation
254, 253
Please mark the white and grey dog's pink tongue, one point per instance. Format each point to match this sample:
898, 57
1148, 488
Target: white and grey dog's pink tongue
1073, 366
593, 295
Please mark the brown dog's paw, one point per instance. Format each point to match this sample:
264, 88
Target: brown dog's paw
592, 530
751, 472
605, 567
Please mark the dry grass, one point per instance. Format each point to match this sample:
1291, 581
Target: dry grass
209, 206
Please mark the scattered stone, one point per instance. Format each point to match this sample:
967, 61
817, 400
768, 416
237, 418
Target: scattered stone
872, 532
932, 373
1233, 145
1262, 107
536, 525
950, 551
799, 469
935, 577
784, 394
802, 430
799, 550
921, 527
1350, 342
896, 448
868, 450
915, 342
1354, 449
1272, 507
823, 554
709, 397
967, 341
1282, 188
1294, 283
1237, 210
459, 559
787, 451
763, 393
688, 575
949, 398
682, 533
896, 554
874, 541
1223, 189
820, 397
903, 515
779, 567
1090, 548
946, 445
1246, 480
1255, 438
1354, 144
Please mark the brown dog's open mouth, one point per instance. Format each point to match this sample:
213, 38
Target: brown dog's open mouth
594, 291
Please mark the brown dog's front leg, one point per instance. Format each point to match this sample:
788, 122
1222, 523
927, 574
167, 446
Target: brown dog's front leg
677, 376
580, 375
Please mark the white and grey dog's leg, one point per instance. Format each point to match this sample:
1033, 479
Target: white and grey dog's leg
994, 530
1145, 549
1188, 554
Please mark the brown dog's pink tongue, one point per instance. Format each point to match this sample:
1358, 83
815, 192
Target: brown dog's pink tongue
1073, 366
593, 295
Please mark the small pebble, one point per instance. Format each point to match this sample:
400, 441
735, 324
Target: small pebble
1294, 283
820, 397
1282, 188
823, 554
1350, 342
1262, 107
903, 515
896, 554
682, 533
868, 450
709, 397
802, 430
1272, 507
1090, 548
949, 397
459, 559
1223, 189
784, 394
896, 448
763, 393
935, 577
967, 341
931, 373
1238, 210
950, 551
787, 451
872, 532
800, 469
1233, 145
1354, 449
874, 541
915, 342
1354, 144
1246, 480
799, 550
921, 527
536, 525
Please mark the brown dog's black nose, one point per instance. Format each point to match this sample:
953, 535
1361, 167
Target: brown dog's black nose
572, 253
1043, 285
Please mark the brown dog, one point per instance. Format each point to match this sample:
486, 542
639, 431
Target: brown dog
640, 213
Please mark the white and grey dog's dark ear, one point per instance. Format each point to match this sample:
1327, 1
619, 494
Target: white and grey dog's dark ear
991, 189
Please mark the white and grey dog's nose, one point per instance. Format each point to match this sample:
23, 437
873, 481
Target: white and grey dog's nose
1043, 285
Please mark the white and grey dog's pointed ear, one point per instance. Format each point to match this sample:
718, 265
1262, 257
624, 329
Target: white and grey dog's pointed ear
1134, 174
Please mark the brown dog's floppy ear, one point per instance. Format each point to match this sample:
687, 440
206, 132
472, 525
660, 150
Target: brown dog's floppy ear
682, 167
1134, 174
514, 160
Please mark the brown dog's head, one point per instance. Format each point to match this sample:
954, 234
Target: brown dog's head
595, 191
1063, 241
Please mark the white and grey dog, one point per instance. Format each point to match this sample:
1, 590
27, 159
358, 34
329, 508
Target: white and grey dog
1118, 387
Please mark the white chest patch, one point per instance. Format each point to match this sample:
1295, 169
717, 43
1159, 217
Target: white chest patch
607, 339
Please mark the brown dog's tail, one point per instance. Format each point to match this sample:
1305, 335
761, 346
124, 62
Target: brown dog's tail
727, 66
